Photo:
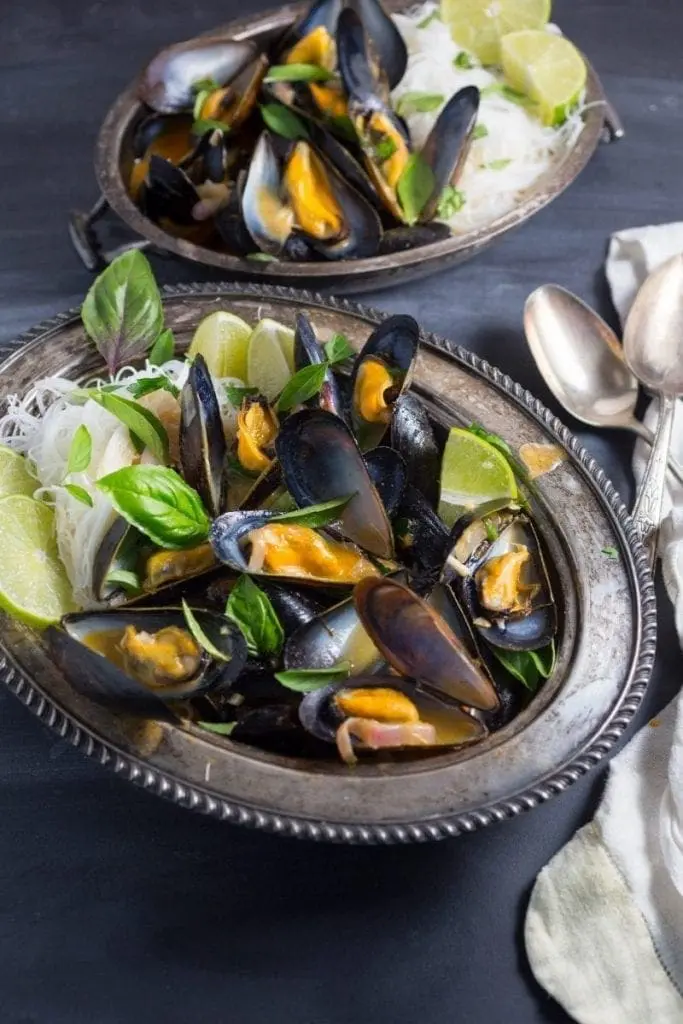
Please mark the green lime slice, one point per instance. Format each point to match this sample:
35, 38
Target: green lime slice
479, 25
472, 472
548, 68
15, 477
223, 339
269, 366
33, 583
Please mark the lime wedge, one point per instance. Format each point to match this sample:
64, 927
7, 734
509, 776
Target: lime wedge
15, 477
479, 25
223, 339
33, 583
268, 367
472, 472
546, 67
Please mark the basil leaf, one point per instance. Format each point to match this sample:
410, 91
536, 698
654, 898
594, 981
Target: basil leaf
125, 578
252, 612
209, 124
147, 385
384, 149
80, 494
236, 395
306, 680
200, 636
528, 667
451, 201
222, 728
434, 16
80, 452
415, 186
464, 61
544, 659
261, 257
338, 348
418, 102
163, 348
610, 552
491, 530
159, 503
297, 73
315, 516
498, 165
302, 386
200, 99
140, 421
480, 132
500, 89
205, 85
122, 312
283, 121
342, 125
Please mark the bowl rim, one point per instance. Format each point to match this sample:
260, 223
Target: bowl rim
194, 797
457, 248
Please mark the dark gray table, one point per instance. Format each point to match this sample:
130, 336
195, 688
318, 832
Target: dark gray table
116, 908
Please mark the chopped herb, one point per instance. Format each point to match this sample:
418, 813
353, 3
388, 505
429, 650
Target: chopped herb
434, 16
283, 121
418, 102
338, 348
237, 395
306, 680
610, 552
80, 451
480, 132
297, 73
497, 165
147, 385
200, 99
528, 667
491, 530
209, 124
221, 728
384, 149
130, 581
140, 421
205, 85
501, 89
450, 202
464, 61
414, 187
79, 493
302, 386
315, 516
200, 636
252, 612
163, 348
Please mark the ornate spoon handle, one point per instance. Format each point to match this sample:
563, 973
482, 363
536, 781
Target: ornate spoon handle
642, 431
648, 507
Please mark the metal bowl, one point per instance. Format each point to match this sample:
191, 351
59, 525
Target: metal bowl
113, 160
606, 647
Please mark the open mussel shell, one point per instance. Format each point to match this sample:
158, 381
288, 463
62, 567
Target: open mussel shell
276, 729
381, 373
308, 352
320, 461
422, 539
202, 441
337, 635
117, 550
386, 39
321, 715
448, 143
77, 648
413, 436
418, 642
232, 544
167, 193
267, 216
294, 608
388, 473
405, 237
168, 83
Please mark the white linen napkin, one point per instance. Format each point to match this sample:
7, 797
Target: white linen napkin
604, 928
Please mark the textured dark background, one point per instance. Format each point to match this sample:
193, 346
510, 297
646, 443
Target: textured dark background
116, 908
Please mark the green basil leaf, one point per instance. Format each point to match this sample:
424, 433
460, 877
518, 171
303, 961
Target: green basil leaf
222, 728
342, 125
501, 89
338, 348
315, 516
544, 659
159, 503
252, 612
297, 73
464, 61
306, 680
147, 385
163, 348
200, 99
236, 395
205, 85
283, 121
80, 494
302, 386
520, 666
130, 581
200, 636
209, 124
491, 530
480, 132
261, 257
384, 149
80, 452
140, 421
415, 186
451, 201
434, 16
498, 165
610, 552
122, 312
418, 102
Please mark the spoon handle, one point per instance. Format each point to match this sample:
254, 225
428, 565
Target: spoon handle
648, 507
647, 436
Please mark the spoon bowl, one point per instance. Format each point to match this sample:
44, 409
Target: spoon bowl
653, 337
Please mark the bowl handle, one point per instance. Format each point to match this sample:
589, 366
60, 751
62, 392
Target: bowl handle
86, 243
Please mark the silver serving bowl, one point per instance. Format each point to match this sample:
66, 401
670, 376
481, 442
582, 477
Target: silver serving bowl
114, 157
605, 651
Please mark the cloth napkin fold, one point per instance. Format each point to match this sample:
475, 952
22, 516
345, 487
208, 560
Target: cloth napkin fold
604, 928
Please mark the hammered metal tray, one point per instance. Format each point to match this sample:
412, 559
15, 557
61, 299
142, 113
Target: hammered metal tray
113, 160
605, 655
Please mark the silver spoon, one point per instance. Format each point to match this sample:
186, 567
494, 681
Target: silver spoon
653, 348
580, 358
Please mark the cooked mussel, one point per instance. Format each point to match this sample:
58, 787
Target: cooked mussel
320, 461
202, 441
336, 635
262, 543
142, 659
412, 435
380, 375
448, 144
373, 713
232, 103
388, 473
308, 352
422, 539
257, 428
170, 81
168, 194
418, 642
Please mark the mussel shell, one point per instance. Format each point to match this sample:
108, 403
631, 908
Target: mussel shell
448, 143
386, 38
418, 643
202, 441
350, 169
308, 352
294, 608
264, 178
167, 84
395, 342
405, 237
277, 730
320, 461
422, 540
388, 473
469, 542
413, 436
95, 676
332, 637
230, 224
167, 193
118, 539
321, 718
